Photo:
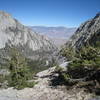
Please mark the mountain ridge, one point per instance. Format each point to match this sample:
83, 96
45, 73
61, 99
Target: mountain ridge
30, 43
59, 34
85, 33
61, 31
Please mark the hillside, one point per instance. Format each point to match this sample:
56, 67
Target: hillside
76, 76
83, 52
31, 44
87, 33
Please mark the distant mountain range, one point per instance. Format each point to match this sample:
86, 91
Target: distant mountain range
58, 34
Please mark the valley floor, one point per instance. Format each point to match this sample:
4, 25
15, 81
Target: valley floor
43, 91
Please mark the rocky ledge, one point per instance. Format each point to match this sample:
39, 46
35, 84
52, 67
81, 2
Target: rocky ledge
44, 91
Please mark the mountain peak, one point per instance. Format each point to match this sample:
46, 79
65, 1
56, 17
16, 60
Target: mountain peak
87, 32
97, 15
2, 13
14, 33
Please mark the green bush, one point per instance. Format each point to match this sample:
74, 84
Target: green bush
69, 53
2, 78
58, 69
19, 71
31, 84
66, 76
84, 63
86, 57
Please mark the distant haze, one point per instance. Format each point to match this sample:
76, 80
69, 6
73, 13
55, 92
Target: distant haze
58, 34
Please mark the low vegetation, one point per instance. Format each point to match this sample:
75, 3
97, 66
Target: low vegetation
69, 53
39, 65
84, 67
19, 71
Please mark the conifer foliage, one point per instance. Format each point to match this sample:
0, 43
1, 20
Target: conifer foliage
19, 71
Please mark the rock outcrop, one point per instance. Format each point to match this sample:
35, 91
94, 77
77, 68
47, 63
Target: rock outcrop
44, 91
88, 32
33, 45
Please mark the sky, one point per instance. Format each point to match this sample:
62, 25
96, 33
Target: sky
68, 13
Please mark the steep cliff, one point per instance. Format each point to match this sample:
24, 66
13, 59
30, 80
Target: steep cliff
31, 44
87, 33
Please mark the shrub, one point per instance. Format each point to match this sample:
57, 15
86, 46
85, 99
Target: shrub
69, 53
31, 84
85, 63
58, 69
19, 71
66, 76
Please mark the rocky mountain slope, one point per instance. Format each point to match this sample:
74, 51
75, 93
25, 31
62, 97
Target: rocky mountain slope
58, 34
83, 52
88, 32
33, 45
47, 87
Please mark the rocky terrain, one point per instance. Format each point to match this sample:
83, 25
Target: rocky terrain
31, 44
36, 46
44, 91
88, 32
14, 33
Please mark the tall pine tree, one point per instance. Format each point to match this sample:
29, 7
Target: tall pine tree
19, 71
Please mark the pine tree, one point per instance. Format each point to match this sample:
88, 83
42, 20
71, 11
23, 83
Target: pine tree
19, 72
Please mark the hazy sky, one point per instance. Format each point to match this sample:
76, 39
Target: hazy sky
69, 13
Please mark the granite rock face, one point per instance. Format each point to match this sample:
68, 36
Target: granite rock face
29, 42
88, 32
